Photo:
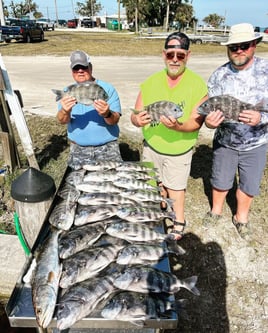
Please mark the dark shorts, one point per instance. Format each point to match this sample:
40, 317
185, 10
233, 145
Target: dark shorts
247, 165
80, 155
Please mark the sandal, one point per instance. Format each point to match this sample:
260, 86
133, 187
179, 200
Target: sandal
242, 229
175, 233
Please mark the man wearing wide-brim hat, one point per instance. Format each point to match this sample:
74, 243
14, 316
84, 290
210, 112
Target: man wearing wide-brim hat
240, 143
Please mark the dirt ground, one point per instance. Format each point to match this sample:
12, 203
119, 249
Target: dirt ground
232, 274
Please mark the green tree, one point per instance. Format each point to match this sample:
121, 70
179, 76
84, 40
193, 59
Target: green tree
88, 8
214, 19
184, 15
19, 9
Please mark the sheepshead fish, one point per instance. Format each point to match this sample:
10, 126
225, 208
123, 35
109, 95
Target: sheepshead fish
135, 184
75, 177
147, 279
162, 108
68, 192
136, 232
86, 264
81, 299
84, 93
146, 253
230, 107
92, 187
103, 199
142, 214
91, 214
62, 215
137, 307
77, 239
101, 165
45, 280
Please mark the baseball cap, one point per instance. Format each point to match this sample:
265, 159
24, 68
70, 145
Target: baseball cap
184, 41
79, 58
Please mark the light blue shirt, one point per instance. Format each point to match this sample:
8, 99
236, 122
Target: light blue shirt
87, 128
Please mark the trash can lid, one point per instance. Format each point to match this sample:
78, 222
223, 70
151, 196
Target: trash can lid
32, 186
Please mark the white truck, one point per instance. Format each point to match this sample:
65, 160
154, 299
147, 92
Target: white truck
46, 24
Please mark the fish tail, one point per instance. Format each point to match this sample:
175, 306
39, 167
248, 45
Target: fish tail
58, 94
175, 248
189, 284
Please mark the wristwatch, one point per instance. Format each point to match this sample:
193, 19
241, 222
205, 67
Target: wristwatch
108, 115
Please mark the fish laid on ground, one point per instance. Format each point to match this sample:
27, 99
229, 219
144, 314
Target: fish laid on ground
134, 166
145, 195
84, 93
94, 199
135, 184
68, 192
91, 214
230, 107
79, 238
134, 232
162, 108
146, 253
137, 307
101, 165
143, 214
45, 280
86, 264
92, 187
147, 279
79, 300
62, 215
75, 177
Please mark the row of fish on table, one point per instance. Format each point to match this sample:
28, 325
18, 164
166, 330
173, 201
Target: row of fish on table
104, 241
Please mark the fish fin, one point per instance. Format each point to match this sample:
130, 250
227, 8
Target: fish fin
58, 94
189, 284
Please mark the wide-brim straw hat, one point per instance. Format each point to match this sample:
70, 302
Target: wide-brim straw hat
240, 33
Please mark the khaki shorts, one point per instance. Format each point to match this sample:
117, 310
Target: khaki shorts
173, 171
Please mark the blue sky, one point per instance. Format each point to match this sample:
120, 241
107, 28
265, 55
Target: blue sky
235, 11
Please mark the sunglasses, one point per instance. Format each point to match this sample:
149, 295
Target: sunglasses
171, 55
78, 67
242, 47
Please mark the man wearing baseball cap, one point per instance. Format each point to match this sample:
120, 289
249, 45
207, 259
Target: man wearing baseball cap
239, 148
92, 129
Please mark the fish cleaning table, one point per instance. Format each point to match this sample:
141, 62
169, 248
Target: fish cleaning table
20, 310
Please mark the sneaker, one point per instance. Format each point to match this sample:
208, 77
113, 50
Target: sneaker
210, 218
242, 229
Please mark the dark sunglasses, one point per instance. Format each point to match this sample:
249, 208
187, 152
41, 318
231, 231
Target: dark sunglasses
78, 67
242, 47
171, 55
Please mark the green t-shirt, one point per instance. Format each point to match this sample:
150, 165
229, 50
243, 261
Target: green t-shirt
190, 90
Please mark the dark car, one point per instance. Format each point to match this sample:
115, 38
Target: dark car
88, 23
72, 23
62, 23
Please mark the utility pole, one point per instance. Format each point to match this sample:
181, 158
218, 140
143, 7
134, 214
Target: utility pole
2, 16
118, 15
56, 12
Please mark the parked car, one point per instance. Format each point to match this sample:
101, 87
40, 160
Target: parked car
72, 23
46, 24
22, 30
87, 23
265, 30
62, 23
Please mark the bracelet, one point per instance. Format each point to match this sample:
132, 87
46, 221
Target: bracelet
108, 115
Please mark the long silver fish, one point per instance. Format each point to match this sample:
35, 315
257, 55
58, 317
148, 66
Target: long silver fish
137, 307
134, 232
79, 238
145, 195
230, 106
62, 215
147, 279
146, 253
45, 280
162, 108
101, 165
86, 264
81, 299
84, 93
134, 184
